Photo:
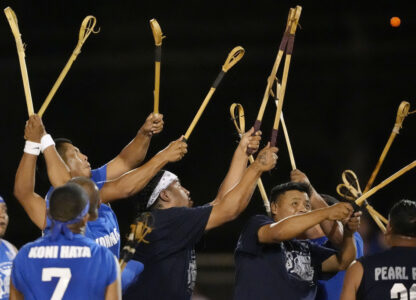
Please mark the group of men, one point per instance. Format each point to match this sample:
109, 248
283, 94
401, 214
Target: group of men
299, 252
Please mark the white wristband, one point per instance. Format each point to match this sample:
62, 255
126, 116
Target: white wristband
32, 148
46, 141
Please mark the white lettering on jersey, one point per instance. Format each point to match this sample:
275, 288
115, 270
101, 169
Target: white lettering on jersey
109, 240
75, 252
390, 273
43, 252
414, 273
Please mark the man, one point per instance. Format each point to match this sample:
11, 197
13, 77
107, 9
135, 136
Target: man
328, 234
7, 253
390, 274
271, 263
168, 254
64, 264
105, 229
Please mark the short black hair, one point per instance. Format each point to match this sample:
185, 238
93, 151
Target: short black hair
147, 191
90, 187
289, 186
403, 218
60, 147
67, 202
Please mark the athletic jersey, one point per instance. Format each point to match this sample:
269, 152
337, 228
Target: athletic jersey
104, 230
64, 269
390, 274
169, 257
7, 254
331, 288
288, 269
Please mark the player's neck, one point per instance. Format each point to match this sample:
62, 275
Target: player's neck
75, 228
403, 241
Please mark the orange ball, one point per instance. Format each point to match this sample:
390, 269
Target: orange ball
395, 22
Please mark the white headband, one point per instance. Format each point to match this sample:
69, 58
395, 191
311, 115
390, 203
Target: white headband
164, 182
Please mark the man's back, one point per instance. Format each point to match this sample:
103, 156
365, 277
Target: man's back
389, 275
64, 269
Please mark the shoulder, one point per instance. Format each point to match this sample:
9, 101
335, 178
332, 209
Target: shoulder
175, 212
259, 221
10, 246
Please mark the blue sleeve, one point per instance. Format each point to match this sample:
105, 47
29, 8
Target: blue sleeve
248, 241
181, 227
99, 176
131, 273
359, 244
16, 275
111, 266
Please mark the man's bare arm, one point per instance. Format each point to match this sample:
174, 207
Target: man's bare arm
235, 201
352, 281
135, 152
134, 181
113, 291
333, 229
239, 161
14, 293
293, 226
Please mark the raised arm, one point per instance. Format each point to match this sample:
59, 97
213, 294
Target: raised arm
229, 206
134, 181
293, 226
135, 152
347, 252
239, 161
24, 185
333, 229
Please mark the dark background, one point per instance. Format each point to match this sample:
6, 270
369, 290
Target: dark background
350, 70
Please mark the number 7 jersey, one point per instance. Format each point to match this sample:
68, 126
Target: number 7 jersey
390, 274
64, 269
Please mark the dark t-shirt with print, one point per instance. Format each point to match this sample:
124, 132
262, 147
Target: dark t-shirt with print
169, 257
286, 270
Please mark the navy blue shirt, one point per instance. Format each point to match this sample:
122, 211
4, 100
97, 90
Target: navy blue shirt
390, 274
331, 288
289, 269
169, 257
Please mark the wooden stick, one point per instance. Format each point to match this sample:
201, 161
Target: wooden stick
393, 177
276, 65
289, 50
87, 27
376, 219
158, 36
286, 134
12, 19
379, 215
240, 126
233, 57
402, 112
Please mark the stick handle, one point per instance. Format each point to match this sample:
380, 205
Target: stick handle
380, 161
376, 219
58, 81
289, 145
262, 191
157, 87
199, 113
393, 177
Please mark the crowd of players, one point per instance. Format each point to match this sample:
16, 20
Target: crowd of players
300, 252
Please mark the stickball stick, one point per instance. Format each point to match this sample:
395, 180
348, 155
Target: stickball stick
402, 112
158, 36
289, 50
233, 57
240, 126
87, 27
393, 177
12, 19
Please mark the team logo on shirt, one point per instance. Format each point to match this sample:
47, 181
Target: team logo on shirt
192, 271
5, 271
298, 263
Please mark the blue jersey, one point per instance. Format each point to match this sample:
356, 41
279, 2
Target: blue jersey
64, 269
104, 230
331, 288
7, 254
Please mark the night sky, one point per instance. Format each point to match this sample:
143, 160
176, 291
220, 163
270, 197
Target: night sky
349, 72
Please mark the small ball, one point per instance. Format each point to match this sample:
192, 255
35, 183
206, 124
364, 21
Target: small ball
395, 22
